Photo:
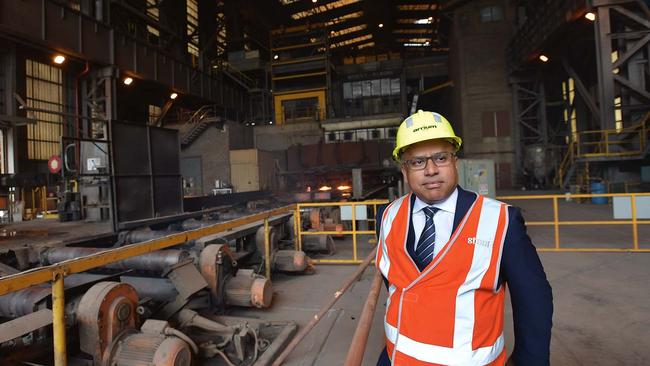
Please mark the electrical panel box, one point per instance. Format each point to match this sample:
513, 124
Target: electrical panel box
477, 175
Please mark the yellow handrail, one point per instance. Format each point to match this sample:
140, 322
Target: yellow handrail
556, 223
604, 139
354, 231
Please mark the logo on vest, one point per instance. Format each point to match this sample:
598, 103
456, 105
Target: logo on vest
480, 242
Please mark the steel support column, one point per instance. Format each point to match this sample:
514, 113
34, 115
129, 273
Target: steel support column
602, 28
531, 125
622, 44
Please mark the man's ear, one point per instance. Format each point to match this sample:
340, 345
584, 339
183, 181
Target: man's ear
404, 174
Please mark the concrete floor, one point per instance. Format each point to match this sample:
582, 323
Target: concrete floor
601, 300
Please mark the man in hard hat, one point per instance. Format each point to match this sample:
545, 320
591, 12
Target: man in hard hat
447, 255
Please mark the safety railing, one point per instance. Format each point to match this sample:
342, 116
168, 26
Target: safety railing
57, 272
628, 141
556, 223
352, 213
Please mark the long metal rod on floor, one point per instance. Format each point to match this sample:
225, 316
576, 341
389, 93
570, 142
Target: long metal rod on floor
267, 250
360, 339
299, 337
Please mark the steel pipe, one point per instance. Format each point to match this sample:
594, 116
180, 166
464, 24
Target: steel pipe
23, 302
137, 236
360, 338
193, 224
157, 289
157, 261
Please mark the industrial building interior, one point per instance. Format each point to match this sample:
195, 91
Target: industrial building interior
195, 182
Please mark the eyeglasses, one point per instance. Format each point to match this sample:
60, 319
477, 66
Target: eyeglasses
441, 159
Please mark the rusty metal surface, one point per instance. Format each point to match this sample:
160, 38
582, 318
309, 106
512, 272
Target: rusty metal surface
106, 310
150, 349
260, 240
261, 292
290, 261
249, 289
25, 324
215, 264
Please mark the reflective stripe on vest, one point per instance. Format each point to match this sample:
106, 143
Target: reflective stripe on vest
452, 312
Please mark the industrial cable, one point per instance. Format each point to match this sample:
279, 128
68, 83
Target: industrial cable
183, 336
250, 330
225, 358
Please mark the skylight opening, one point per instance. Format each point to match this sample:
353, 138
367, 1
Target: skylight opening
348, 30
322, 8
352, 41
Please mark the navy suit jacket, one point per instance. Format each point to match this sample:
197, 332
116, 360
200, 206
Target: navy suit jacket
522, 271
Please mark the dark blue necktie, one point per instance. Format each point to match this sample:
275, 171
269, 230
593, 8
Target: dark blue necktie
426, 243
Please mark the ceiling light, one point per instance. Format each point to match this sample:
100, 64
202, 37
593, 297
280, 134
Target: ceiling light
381, 25
276, 56
127, 80
253, 124
543, 58
59, 59
313, 1
430, 19
591, 16
174, 95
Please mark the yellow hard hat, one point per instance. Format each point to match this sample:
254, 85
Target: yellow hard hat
424, 126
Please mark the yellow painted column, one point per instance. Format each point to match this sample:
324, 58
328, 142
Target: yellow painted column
58, 320
635, 228
267, 249
556, 225
354, 231
297, 228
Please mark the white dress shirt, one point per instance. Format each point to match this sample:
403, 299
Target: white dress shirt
443, 219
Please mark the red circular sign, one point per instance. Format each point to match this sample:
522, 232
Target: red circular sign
54, 164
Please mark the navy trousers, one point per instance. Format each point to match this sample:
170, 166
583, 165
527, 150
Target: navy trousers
383, 358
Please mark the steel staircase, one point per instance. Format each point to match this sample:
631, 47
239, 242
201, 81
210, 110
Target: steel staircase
200, 120
630, 143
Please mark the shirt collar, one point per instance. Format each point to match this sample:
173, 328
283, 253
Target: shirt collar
448, 204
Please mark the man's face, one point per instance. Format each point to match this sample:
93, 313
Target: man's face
433, 183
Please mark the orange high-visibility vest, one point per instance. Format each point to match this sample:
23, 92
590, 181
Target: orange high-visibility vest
451, 313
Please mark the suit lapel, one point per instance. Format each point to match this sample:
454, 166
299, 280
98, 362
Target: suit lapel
463, 203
